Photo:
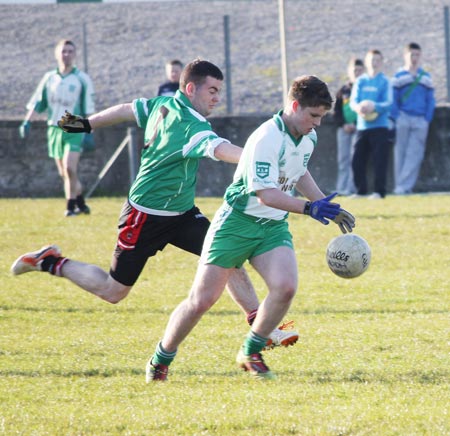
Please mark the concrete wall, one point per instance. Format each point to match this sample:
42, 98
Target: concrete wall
26, 170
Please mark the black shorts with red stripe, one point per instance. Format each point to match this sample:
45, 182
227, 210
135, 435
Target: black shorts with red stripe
141, 236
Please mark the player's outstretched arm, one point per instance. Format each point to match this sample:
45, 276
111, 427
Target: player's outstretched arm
228, 152
113, 115
108, 117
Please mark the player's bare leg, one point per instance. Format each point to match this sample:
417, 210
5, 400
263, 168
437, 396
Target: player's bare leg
278, 268
208, 286
243, 293
93, 279
72, 185
68, 170
89, 277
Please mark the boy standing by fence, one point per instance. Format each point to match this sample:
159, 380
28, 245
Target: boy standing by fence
412, 111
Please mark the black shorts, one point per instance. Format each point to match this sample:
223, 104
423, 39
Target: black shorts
141, 236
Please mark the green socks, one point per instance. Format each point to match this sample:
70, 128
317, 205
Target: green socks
162, 356
253, 343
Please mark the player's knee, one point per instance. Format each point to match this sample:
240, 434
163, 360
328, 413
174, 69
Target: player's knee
290, 292
115, 296
70, 172
201, 305
286, 290
114, 299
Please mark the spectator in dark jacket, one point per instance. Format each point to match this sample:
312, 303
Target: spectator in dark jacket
173, 72
345, 119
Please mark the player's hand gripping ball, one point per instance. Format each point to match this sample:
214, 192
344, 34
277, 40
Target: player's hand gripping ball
348, 256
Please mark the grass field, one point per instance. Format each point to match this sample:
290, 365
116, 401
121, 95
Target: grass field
373, 357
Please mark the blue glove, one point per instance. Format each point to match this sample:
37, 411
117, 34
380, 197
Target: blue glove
24, 129
322, 210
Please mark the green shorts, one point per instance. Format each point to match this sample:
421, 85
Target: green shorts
60, 142
235, 237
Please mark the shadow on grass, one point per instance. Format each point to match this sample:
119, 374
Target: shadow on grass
432, 377
319, 311
415, 217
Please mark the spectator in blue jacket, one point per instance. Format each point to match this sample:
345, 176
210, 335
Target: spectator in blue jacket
371, 99
412, 111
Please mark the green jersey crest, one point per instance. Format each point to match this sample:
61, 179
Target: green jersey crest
262, 169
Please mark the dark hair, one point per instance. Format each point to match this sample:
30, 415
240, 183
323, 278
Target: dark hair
310, 91
63, 42
197, 71
374, 51
412, 46
174, 62
355, 62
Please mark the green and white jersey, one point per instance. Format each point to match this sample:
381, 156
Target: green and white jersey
176, 138
56, 94
272, 158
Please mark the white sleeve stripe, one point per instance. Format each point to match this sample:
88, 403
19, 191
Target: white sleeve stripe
143, 104
193, 142
213, 145
196, 114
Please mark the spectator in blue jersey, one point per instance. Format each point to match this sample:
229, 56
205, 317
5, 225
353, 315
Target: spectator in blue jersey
173, 73
345, 119
371, 99
412, 111
61, 89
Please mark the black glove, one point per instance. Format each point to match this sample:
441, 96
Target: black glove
345, 220
74, 124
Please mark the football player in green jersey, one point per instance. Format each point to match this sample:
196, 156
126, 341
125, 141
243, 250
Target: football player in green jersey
160, 208
273, 164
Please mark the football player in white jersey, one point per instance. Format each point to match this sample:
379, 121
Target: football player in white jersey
251, 225
61, 89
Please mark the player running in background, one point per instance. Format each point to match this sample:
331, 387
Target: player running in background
65, 88
273, 164
160, 208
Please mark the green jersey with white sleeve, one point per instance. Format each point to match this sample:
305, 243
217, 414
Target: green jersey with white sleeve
57, 93
272, 158
176, 138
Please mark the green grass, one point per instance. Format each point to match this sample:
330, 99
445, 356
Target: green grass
373, 358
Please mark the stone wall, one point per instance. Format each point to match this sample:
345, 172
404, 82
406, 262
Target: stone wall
26, 170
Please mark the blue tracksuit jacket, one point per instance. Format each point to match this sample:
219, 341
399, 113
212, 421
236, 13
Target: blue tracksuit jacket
420, 101
379, 90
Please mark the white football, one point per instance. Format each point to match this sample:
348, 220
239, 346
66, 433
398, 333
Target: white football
348, 255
